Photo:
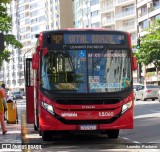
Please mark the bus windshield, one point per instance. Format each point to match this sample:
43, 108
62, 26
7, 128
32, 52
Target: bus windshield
86, 70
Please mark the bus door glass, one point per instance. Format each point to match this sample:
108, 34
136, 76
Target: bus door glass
29, 91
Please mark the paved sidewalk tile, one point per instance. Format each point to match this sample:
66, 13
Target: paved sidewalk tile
13, 134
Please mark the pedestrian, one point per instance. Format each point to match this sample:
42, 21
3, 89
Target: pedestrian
2, 109
5, 106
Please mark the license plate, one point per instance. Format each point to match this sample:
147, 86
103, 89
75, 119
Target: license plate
88, 127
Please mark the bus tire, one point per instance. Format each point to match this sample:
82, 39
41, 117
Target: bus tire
113, 134
46, 135
35, 128
40, 133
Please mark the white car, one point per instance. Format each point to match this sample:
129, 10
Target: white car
159, 95
148, 91
135, 87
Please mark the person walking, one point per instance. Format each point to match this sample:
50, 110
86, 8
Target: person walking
2, 109
4, 101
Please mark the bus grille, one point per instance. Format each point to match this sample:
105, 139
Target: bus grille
88, 101
79, 122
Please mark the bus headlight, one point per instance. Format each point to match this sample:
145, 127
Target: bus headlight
48, 107
126, 106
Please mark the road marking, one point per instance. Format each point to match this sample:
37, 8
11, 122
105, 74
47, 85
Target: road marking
13, 132
155, 111
136, 142
33, 136
147, 115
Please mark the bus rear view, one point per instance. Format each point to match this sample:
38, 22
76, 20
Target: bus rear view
83, 82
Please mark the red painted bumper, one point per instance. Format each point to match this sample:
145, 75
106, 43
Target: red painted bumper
49, 122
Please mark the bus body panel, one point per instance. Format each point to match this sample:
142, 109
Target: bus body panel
30, 104
72, 117
49, 122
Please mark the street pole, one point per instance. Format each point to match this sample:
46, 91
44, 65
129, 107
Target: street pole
138, 36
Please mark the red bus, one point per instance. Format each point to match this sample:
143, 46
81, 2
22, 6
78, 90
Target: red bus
82, 82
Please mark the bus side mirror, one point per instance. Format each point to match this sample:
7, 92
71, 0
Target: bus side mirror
35, 61
134, 63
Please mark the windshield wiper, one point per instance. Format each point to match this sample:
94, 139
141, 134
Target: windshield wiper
100, 58
94, 64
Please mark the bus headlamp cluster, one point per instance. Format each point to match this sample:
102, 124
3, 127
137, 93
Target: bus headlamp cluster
126, 106
48, 107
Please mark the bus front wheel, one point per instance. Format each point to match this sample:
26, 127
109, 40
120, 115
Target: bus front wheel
46, 135
35, 128
113, 134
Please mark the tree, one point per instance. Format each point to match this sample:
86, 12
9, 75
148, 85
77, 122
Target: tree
149, 51
5, 28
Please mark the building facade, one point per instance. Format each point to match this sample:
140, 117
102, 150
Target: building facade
30, 17
147, 12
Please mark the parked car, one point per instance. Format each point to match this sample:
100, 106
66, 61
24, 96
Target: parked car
136, 87
15, 95
148, 91
159, 95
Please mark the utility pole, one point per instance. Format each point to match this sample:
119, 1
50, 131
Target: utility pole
1, 42
139, 77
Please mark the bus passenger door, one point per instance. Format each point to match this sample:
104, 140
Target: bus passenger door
29, 91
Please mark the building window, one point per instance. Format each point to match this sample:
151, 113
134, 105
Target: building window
143, 10
95, 13
94, 2
34, 13
41, 18
144, 24
35, 20
97, 24
128, 8
34, 28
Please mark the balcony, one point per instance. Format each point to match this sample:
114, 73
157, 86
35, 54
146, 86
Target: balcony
126, 14
155, 6
107, 21
119, 2
127, 28
107, 8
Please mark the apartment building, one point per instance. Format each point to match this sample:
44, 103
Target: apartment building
119, 15
147, 12
87, 13
30, 17
111, 14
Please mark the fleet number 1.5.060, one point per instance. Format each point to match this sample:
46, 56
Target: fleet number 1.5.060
104, 114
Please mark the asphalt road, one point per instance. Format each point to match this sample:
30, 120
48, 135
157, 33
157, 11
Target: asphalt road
146, 132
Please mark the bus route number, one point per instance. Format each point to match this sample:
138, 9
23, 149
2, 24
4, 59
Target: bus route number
58, 39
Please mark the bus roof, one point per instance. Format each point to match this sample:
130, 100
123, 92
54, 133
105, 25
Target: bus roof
83, 29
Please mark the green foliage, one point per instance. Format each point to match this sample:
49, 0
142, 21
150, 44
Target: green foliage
5, 28
148, 74
4, 56
149, 51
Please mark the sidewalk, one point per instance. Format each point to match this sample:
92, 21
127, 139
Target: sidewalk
13, 134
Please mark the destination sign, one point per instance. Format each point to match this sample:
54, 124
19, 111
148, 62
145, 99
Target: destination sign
115, 38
